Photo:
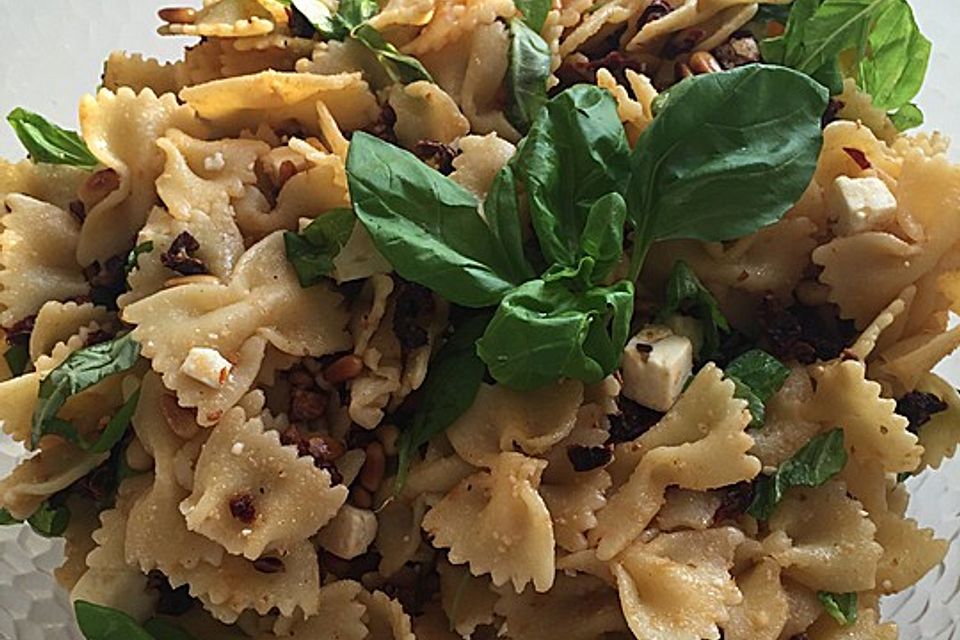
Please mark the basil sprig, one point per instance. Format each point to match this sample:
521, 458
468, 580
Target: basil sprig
817, 462
81, 370
527, 74
312, 251
49, 520
876, 42
450, 388
842, 607
48, 143
731, 154
687, 294
351, 20
758, 376
98, 622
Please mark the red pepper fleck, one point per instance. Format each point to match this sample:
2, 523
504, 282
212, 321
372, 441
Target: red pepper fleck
859, 157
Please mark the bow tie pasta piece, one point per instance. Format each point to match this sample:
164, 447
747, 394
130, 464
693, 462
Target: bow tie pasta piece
339, 616
871, 427
385, 617
867, 627
332, 57
288, 498
38, 244
122, 130
584, 607
498, 523
263, 302
109, 580
275, 98
686, 509
705, 425
454, 20
57, 322
56, 184
940, 436
467, 600
711, 17
635, 113
425, 112
123, 69
787, 427
231, 19
764, 610
415, 13
840, 557
502, 419
678, 587
481, 159
398, 533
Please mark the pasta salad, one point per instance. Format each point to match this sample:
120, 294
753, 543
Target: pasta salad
438, 319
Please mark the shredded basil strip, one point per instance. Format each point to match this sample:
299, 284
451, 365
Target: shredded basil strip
842, 607
758, 376
527, 73
687, 295
80, 371
312, 251
48, 521
48, 143
134, 256
817, 462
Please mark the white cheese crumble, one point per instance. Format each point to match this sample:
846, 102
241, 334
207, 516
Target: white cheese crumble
207, 366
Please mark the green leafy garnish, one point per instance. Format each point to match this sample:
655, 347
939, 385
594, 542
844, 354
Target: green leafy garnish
819, 460
451, 385
49, 521
98, 622
728, 154
313, 250
758, 376
17, 357
112, 433
907, 117
527, 74
534, 12
352, 21
80, 371
135, 253
48, 143
686, 294
842, 607
7, 519
875, 42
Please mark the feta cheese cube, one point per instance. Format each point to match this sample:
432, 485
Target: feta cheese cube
861, 204
207, 366
656, 364
350, 533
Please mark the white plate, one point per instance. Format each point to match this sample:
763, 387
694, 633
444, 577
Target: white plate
53, 53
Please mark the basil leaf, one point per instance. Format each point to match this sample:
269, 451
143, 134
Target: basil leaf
906, 117
17, 357
103, 623
817, 37
452, 383
48, 143
842, 607
819, 460
353, 13
534, 12
575, 154
502, 212
758, 376
7, 519
117, 427
399, 66
602, 237
728, 154
322, 18
527, 74
896, 64
139, 250
543, 331
426, 225
50, 521
686, 294
81, 370
312, 251
162, 629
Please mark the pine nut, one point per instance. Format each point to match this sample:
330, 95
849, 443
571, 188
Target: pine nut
346, 368
371, 475
702, 62
178, 15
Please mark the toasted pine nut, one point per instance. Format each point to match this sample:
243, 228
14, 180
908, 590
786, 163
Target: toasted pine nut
195, 279
178, 15
703, 62
98, 186
371, 475
346, 368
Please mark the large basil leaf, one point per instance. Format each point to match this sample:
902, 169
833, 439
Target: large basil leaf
758, 376
819, 460
80, 371
728, 154
575, 154
311, 252
527, 74
534, 12
686, 294
907, 117
426, 225
543, 331
451, 385
48, 143
502, 212
842, 607
896, 64
103, 623
602, 237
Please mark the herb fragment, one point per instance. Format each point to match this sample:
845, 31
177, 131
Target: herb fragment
48, 521
534, 13
527, 74
758, 376
80, 371
842, 607
98, 622
17, 357
134, 257
817, 462
686, 294
312, 251
48, 143
452, 383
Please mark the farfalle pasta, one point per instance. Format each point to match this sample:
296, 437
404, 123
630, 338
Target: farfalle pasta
329, 329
